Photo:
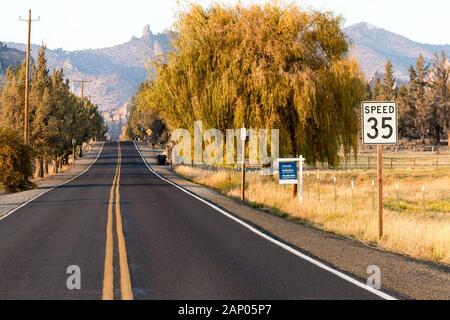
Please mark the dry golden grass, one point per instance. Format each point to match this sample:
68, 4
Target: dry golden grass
416, 223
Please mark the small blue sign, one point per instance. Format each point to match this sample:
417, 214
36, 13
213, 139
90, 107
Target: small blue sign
288, 172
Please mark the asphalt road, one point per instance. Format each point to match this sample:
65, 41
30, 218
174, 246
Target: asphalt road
136, 236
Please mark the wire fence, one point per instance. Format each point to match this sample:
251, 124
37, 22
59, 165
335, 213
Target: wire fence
424, 192
390, 161
362, 162
393, 158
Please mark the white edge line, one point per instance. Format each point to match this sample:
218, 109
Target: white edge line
274, 241
57, 186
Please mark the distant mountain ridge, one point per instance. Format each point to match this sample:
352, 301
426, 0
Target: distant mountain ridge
9, 57
372, 47
116, 72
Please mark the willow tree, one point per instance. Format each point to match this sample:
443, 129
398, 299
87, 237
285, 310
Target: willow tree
265, 66
144, 121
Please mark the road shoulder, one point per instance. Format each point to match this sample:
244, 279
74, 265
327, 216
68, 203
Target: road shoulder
9, 202
401, 276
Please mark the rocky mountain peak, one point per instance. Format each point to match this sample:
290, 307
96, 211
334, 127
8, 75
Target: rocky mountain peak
364, 26
147, 33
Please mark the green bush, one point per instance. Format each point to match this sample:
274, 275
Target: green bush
16, 162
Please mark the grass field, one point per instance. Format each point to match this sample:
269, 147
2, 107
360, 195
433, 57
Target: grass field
417, 204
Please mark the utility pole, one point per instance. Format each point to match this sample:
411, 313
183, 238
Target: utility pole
82, 81
26, 135
74, 141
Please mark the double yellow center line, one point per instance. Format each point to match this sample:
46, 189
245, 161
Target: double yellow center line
125, 279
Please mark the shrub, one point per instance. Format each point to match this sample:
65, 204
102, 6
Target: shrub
16, 162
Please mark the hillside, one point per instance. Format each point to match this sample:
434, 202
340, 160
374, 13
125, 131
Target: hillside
9, 57
116, 72
373, 46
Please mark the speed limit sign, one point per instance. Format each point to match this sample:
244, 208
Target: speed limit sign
379, 127
379, 123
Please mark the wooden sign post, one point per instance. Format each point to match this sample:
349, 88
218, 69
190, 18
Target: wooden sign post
290, 171
379, 127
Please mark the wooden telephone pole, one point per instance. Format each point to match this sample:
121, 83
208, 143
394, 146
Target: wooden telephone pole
26, 130
82, 81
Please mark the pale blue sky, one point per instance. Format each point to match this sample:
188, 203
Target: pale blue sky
79, 24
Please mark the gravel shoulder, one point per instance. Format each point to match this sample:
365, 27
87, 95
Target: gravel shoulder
9, 202
401, 276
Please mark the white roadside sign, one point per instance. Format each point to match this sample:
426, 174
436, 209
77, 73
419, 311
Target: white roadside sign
243, 134
379, 123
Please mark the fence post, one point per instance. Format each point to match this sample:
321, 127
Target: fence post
243, 139
423, 198
353, 196
335, 194
307, 183
318, 187
373, 198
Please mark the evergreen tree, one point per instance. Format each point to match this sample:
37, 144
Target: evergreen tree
415, 107
439, 97
40, 108
376, 90
417, 98
388, 87
12, 99
406, 113
56, 115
